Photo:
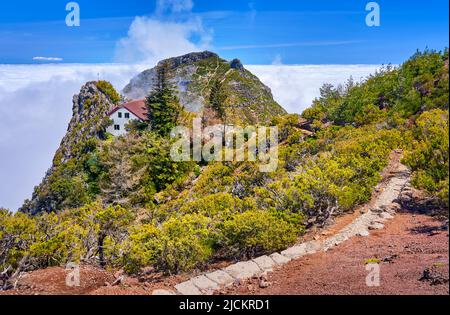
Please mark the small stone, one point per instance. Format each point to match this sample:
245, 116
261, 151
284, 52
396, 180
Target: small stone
313, 247
264, 276
236, 64
279, 259
363, 233
243, 270
204, 284
187, 288
265, 263
295, 251
386, 216
264, 284
376, 210
376, 226
118, 274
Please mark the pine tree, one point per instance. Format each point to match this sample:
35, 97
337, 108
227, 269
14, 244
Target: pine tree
217, 99
162, 103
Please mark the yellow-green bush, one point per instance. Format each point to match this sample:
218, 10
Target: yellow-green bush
57, 242
428, 155
190, 214
255, 232
17, 233
220, 206
109, 90
179, 244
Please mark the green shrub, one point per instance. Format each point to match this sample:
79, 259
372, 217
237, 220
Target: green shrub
58, 241
220, 205
109, 90
179, 244
255, 232
17, 232
139, 249
428, 156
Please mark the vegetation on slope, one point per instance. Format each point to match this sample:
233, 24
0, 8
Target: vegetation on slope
413, 99
248, 101
142, 209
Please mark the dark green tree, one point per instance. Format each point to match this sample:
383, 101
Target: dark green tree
162, 103
217, 99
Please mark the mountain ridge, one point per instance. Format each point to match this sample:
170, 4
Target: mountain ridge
193, 73
86, 130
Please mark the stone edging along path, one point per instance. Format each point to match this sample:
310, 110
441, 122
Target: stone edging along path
383, 210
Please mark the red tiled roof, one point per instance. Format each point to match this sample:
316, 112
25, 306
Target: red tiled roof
137, 107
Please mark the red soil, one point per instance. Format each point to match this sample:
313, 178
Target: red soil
409, 244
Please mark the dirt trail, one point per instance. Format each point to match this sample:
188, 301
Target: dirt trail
406, 249
391, 170
407, 246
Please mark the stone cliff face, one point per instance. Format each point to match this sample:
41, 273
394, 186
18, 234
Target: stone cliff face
140, 86
89, 119
249, 100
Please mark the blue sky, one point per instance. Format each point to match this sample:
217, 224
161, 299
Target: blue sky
256, 31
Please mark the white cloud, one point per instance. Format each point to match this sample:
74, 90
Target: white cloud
174, 6
36, 106
151, 39
47, 59
253, 13
277, 61
295, 87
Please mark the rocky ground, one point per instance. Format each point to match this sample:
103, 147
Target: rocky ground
412, 251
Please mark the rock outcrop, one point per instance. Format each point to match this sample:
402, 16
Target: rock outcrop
249, 100
89, 119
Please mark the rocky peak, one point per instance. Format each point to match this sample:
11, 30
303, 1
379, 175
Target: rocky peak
236, 64
192, 75
90, 112
187, 59
89, 120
